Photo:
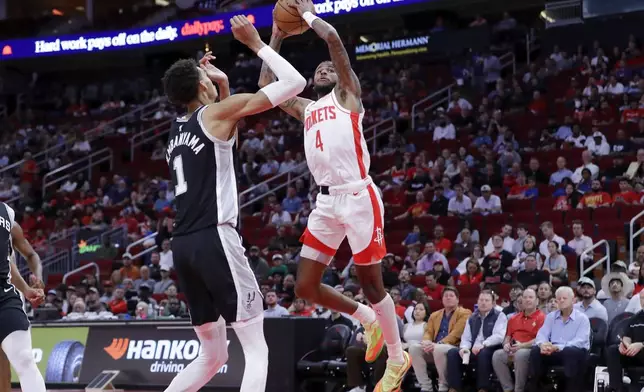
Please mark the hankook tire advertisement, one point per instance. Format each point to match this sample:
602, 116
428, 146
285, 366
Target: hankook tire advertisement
59, 353
151, 355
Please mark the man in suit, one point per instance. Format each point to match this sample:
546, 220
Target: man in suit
442, 333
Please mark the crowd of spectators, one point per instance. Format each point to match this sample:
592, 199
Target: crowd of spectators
476, 192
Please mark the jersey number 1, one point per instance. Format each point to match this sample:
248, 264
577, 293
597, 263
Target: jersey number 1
182, 185
318, 141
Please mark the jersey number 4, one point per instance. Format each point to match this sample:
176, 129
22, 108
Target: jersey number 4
181, 186
318, 141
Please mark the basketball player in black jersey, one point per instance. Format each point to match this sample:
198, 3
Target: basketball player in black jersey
15, 337
208, 254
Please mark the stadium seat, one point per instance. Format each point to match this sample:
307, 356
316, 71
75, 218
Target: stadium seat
313, 367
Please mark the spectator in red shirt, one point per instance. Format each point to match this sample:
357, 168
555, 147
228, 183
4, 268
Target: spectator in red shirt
473, 274
28, 222
396, 297
432, 288
395, 197
626, 195
118, 304
300, 309
417, 209
538, 105
520, 335
442, 244
419, 165
28, 173
633, 113
596, 197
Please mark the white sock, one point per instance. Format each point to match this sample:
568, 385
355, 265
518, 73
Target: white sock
386, 314
364, 314
213, 355
251, 337
17, 347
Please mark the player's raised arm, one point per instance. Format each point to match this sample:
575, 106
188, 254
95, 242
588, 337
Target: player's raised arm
289, 84
23, 246
294, 106
347, 79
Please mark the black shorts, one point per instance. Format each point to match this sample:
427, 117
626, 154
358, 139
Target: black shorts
12, 316
215, 276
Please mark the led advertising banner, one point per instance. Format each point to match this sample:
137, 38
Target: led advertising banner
59, 353
395, 47
178, 31
150, 354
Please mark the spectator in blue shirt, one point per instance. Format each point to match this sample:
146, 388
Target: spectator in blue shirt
292, 203
162, 202
561, 173
564, 339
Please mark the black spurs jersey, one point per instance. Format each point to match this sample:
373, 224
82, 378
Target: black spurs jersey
203, 174
7, 216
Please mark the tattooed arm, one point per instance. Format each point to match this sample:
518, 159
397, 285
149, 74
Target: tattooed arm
294, 106
348, 81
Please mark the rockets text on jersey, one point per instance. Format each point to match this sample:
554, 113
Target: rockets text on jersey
335, 148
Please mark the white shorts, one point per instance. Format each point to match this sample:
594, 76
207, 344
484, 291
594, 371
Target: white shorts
358, 216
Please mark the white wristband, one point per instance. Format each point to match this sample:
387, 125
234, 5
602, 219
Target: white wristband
309, 18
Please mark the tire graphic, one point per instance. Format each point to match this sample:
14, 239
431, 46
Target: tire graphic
65, 362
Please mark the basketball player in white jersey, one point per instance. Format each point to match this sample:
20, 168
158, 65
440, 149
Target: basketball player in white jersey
348, 203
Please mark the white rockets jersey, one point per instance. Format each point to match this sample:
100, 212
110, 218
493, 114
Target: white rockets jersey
335, 148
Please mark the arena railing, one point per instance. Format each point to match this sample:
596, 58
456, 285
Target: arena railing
438, 98
41, 158
148, 135
104, 129
588, 256
443, 96
84, 164
632, 234
136, 115
97, 271
60, 262
141, 242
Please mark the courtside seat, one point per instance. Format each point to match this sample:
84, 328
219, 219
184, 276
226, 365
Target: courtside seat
313, 367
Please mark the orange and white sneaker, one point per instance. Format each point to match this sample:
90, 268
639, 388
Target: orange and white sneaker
375, 341
394, 375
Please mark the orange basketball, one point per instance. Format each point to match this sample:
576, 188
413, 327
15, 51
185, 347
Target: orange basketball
287, 18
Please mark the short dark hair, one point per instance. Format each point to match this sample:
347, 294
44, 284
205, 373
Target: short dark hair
452, 289
487, 292
432, 274
181, 82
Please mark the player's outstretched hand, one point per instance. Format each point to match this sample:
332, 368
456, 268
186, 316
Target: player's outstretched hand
35, 297
245, 32
213, 73
304, 6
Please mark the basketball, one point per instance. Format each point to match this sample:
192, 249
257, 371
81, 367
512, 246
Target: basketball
287, 18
